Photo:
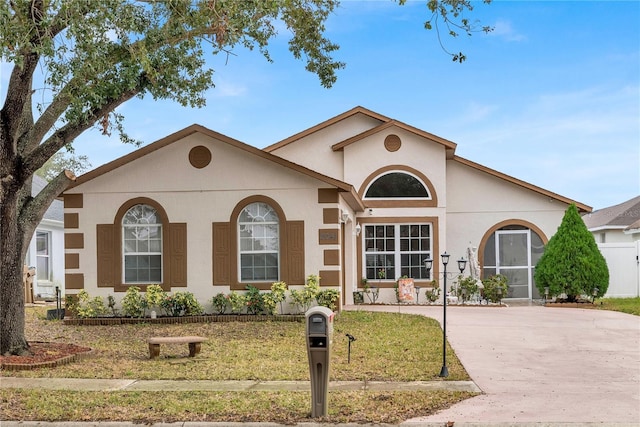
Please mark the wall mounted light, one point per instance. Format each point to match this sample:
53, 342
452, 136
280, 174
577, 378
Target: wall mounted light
358, 229
344, 217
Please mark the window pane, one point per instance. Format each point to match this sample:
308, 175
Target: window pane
397, 185
513, 249
490, 251
142, 245
537, 248
488, 272
399, 250
259, 243
43, 260
42, 243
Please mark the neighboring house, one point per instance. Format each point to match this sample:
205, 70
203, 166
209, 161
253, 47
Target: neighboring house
359, 195
617, 233
46, 249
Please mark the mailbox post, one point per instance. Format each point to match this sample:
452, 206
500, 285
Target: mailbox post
319, 321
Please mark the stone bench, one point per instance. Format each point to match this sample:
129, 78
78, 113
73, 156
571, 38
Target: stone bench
194, 344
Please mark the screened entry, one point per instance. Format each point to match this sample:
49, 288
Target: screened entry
514, 251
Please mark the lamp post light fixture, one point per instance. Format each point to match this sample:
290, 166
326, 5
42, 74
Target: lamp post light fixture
418, 294
428, 264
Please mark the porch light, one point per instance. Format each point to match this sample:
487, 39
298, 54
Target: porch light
358, 229
462, 264
445, 258
428, 265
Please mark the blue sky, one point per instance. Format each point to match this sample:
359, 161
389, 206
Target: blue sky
551, 97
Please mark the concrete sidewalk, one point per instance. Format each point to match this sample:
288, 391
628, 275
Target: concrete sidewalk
97, 384
541, 365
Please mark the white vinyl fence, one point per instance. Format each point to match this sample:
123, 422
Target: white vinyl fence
623, 260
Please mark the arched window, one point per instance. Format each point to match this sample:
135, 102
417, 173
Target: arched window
142, 245
397, 185
259, 243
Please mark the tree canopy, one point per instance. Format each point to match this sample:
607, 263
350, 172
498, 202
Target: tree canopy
95, 55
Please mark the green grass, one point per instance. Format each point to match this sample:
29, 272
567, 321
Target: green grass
625, 305
388, 347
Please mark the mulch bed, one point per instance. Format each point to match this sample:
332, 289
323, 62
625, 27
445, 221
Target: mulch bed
44, 355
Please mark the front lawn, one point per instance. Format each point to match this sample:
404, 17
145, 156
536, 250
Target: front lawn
625, 305
388, 347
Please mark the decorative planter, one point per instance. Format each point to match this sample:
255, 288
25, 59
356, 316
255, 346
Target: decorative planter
358, 297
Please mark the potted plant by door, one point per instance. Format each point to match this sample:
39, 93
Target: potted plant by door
358, 296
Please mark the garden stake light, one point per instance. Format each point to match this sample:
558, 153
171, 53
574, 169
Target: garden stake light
351, 339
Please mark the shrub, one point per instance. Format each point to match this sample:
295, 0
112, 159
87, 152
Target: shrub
155, 294
181, 304
270, 304
237, 302
133, 303
279, 293
328, 298
466, 287
254, 300
71, 305
304, 298
112, 305
89, 307
572, 263
433, 294
495, 288
219, 303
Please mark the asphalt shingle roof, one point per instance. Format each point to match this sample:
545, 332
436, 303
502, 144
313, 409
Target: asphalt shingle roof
56, 210
626, 214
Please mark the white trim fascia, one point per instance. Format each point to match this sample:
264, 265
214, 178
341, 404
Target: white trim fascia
631, 231
51, 223
607, 227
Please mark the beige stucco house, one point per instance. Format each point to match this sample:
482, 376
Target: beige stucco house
359, 195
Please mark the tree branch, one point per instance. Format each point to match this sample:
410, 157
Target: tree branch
33, 209
66, 134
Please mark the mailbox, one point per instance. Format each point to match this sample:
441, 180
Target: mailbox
319, 331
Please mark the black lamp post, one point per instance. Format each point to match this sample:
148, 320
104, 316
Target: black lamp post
428, 263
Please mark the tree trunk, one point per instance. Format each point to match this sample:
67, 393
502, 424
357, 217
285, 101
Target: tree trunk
12, 338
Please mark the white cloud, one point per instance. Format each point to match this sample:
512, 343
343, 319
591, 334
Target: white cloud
505, 30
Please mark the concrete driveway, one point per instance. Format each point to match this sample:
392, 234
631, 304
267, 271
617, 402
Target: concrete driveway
537, 364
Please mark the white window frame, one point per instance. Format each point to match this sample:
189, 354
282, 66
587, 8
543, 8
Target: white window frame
373, 181
241, 252
45, 257
397, 252
142, 223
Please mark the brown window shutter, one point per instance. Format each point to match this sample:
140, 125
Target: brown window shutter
295, 252
107, 253
178, 254
221, 253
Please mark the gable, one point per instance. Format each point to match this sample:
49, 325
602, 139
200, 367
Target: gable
471, 186
198, 159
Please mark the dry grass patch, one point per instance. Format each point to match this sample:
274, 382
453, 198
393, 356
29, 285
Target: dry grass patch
388, 347
280, 407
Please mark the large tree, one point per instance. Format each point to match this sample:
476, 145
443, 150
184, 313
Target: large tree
97, 54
